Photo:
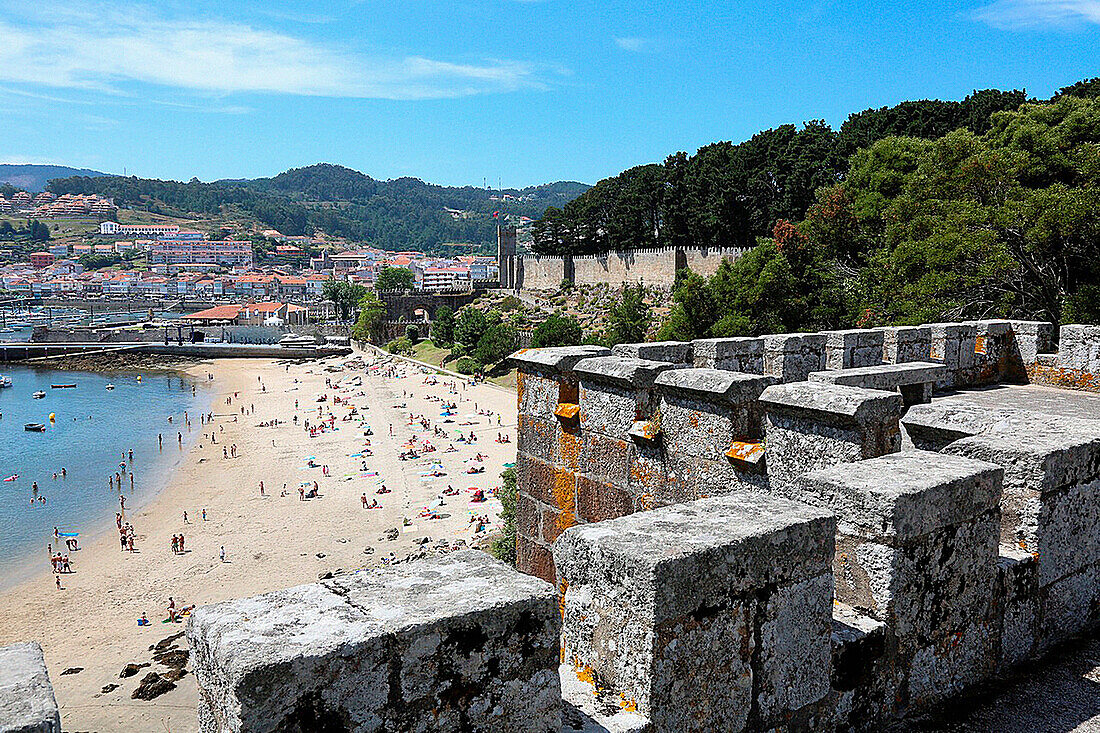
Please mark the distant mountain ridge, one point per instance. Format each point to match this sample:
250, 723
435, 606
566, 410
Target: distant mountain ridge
403, 213
34, 178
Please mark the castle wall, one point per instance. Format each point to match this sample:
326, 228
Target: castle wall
654, 267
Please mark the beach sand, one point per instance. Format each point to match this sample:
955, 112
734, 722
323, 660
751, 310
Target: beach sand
271, 542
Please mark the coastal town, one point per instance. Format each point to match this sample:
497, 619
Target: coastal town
165, 261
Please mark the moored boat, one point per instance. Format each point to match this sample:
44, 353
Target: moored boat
5, 382
63, 386
38, 395
35, 427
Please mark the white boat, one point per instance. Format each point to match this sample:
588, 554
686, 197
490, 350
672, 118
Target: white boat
38, 395
5, 382
292, 341
110, 387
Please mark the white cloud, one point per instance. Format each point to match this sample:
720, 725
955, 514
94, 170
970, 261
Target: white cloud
637, 44
106, 47
1038, 13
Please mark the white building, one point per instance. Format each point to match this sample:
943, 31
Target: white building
113, 228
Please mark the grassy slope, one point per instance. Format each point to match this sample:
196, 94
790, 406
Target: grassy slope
428, 352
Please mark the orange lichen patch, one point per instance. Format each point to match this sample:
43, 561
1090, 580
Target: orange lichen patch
585, 673
570, 444
568, 411
693, 421
629, 706
1066, 378
519, 387
646, 502
645, 430
565, 498
979, 345
563, 586
740, 450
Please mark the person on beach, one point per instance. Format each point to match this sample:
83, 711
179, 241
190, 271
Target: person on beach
204, 514
185, 516
261, 488
160, 440
57, 581
222, 553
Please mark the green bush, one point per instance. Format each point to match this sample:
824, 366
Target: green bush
510, 303
504, 547
400, 346
498, 342
412, 333
467, 365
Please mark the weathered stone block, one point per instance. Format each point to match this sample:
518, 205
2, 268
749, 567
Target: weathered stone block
901, 344
459, 642
611, 410
689, 611
1018, 593
792, 356
27, 703
853, 348
1051, 502
534, 558
953, 346
554, 361
1079, 348
597, 501
607, 460
673, 352
741, 354
810, 425
702, 411
1033, 338
913, 379
917, 548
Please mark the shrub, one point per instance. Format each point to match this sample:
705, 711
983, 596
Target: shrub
400, 346
467, 365
504, 547
412, 333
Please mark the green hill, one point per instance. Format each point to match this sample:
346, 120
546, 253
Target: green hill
34, 178
403, 213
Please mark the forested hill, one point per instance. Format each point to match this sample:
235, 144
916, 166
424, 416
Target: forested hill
34, 178
729, 194
404, 213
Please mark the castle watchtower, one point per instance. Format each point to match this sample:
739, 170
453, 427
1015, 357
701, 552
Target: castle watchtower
506, 256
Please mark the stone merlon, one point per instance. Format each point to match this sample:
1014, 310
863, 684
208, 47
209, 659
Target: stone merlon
832, 402
448, 643
716, 385
555, 359
674, 352
622, 371
27, 704
902, 496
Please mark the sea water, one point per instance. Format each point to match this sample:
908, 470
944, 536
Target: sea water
93, 430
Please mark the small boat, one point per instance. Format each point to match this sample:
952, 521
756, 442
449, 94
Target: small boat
38, 395
63, 386
5, 382
12, 477
110, 387
35, 427
292, 341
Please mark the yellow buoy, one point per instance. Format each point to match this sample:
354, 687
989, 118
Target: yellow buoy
139, 377
52, 417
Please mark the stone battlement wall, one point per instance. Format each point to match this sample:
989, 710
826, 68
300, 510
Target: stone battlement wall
655, 266
731, 534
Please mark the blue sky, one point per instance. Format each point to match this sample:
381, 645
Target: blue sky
516, 91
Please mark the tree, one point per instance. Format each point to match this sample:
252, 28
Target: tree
443, 327
372, 314
557, 330
470, 325
92, 261
344, 295
630, 317
497, 343
394, 278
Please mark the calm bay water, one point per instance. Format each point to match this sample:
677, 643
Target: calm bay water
93, 427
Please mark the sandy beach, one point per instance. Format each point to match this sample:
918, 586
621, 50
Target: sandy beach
271, 541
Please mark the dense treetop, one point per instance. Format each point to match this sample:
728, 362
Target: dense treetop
729, 195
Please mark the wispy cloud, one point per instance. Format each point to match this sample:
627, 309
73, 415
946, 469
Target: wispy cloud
636, 44
1015, 14
106, 48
